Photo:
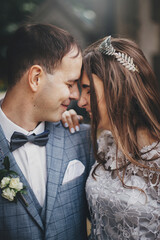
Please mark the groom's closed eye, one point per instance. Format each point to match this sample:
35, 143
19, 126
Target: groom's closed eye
71, 83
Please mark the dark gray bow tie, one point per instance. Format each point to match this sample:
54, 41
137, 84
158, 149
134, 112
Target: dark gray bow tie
19, 139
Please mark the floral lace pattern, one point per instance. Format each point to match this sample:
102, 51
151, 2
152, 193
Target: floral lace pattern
119, 213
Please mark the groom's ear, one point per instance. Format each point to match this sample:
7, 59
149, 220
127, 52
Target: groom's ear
35, 74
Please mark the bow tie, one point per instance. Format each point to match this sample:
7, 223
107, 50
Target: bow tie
19, 139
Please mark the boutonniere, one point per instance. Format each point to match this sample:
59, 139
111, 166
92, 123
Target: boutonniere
10, 183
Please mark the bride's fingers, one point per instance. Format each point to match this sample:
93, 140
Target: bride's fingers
76, 119
80, 118
71, 119
63, 119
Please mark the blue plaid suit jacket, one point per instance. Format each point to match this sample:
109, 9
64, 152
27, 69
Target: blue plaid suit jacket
63, 216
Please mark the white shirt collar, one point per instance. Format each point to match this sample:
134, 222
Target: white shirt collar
9, 127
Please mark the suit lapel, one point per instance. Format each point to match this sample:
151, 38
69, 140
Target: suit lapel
55, 148
31, 208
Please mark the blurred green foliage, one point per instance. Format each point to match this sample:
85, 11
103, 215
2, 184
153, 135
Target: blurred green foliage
12, 14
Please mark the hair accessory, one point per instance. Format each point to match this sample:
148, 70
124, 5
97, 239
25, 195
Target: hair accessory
107, 49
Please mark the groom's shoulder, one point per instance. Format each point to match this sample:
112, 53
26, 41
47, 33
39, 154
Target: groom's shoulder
79, 138
83, 127
58, 128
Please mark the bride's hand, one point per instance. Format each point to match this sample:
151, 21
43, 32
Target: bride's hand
71, 119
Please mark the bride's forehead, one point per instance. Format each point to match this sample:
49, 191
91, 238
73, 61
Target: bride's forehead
85, 79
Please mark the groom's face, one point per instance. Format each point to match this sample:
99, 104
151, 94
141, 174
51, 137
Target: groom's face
61, 87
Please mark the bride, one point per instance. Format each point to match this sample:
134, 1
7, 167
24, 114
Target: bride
121, 94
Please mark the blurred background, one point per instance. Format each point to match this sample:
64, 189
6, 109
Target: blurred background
87, 20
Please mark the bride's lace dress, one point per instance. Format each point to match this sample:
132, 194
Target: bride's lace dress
118, 212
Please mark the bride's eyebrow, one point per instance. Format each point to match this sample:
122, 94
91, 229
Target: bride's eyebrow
85, 86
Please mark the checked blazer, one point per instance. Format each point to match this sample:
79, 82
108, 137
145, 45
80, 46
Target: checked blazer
63, 216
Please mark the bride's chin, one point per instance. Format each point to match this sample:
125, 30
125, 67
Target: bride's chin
90, 114
101, 127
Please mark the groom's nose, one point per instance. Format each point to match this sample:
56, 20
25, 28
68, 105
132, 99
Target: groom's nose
74, 92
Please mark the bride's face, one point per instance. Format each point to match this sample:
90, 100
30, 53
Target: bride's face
84, 101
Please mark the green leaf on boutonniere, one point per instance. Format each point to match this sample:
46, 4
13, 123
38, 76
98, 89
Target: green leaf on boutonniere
6, 163
3, 173
12, 173
6, 171
23, 191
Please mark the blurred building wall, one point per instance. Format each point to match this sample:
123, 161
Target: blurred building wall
140, 20
89, 20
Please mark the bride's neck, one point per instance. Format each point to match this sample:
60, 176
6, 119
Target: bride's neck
144, 137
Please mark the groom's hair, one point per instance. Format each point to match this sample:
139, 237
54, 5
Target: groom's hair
41, 44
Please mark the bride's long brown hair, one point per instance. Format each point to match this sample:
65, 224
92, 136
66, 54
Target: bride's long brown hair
132, 98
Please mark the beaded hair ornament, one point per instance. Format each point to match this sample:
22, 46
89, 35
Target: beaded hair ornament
107, 49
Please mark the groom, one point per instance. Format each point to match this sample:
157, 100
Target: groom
44, 65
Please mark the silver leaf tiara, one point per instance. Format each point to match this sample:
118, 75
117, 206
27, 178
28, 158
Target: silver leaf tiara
107, 49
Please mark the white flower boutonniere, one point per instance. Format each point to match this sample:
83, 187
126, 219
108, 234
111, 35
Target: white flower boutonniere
10, 183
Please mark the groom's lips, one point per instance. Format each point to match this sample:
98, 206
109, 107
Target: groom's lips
65, 106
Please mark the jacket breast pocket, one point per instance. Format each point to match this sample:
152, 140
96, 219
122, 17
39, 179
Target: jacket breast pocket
71, 197
75, 184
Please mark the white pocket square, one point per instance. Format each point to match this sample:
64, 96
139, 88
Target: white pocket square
74, 169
